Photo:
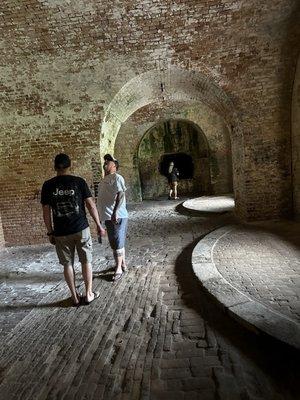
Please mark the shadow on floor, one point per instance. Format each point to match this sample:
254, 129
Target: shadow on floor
278, 361
64, 303
31, 277
105, 275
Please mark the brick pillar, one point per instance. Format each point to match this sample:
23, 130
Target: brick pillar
296, 143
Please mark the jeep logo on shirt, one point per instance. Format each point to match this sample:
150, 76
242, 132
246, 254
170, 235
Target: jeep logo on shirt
67, 192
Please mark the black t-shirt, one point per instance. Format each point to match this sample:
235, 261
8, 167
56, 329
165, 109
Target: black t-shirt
173, 176
65, 194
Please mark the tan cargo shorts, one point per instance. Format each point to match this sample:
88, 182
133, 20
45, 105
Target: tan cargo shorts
66, 245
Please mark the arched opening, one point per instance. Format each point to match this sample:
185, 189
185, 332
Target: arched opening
200, 97
194, 127
182, 162
179, 141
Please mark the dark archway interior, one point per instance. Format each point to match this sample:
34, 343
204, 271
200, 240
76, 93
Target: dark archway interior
183, 162
182, 142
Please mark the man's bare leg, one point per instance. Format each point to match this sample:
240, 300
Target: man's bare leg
87, 274
175, 191
124, 265
119, 261
69, 275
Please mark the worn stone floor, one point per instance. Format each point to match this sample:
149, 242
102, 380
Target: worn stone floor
263, 261
152, 335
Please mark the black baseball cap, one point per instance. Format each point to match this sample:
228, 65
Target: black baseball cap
62, 161
109, 157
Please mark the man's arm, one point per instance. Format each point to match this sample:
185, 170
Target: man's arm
47, 218
48, 222
91, 206
119, 200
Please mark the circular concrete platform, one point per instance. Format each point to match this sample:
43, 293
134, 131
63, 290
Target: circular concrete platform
211, 204
234, 281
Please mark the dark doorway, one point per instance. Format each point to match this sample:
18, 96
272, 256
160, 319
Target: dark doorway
179, 141
183, 162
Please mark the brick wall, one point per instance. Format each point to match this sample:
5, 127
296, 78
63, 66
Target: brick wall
2, 240
63, 64
296, 142
26, 164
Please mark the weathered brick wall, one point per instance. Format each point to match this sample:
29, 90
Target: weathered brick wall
26, 164
296, 142
2, 240
62, 63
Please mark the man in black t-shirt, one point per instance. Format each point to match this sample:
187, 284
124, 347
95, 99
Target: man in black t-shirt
66, 196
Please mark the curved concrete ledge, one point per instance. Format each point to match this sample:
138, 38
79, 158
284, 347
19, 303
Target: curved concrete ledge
248, 311
210, 204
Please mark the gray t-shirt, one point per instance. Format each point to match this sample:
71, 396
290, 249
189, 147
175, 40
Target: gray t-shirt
107, 191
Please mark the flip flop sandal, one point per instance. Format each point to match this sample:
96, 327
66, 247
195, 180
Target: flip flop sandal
117, 276
96, 296
79, 296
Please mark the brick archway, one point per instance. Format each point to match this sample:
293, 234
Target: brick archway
176, 85
144, 120
168, 85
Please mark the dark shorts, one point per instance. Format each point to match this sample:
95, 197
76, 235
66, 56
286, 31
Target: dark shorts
117, 233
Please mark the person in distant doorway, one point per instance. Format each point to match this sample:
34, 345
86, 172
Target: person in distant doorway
64, 199
173, 178
111, 204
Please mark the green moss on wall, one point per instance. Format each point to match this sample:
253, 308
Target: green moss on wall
173, 136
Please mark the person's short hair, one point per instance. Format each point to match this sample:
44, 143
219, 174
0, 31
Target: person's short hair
109, 157
62, 161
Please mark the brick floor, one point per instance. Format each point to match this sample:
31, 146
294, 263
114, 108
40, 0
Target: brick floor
263, 261
152, 335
